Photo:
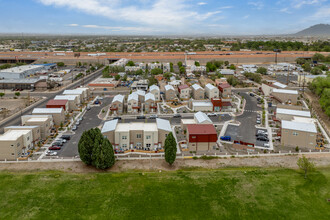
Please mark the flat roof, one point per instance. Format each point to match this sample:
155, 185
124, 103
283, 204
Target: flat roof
12, 135
293, 112
299, 126
21, 81
57, 102
134, 126
203, 104
22, 127
37, 120
47, 110
280, 85
72, 92
66, 97
198, 129
286, 91
21, 69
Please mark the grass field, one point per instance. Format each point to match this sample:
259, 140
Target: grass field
246, 193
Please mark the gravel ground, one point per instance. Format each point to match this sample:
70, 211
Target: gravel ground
320, 160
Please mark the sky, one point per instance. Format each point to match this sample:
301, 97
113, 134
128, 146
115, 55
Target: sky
162, 17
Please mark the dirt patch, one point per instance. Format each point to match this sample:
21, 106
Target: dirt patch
11, 106
320, 160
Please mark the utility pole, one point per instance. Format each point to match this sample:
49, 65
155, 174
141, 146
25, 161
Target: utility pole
287, 78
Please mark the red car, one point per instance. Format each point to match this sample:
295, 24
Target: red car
55, 147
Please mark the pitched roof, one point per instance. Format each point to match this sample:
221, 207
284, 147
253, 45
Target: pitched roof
133, 96
73, 92
57, 102
118, 98
200, 129
210, 86
154, 87
149, 96
184, 86
224, 85
196, 87
202, 117
169, 87
47, 110
109, 126
163, 124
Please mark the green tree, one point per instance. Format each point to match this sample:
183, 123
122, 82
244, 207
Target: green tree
130, 63
226, 63
316, 71
170, 149
197, 63
117, 77
179, 64
156, 71
232, 67
318, 57
103, 156
307, 67
2, 94
305, 165
182, 70
60, 64
17, 94
262, 70
233, 81
86, 145
152, 81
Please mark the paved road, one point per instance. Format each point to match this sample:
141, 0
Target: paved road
90, 120
17, 120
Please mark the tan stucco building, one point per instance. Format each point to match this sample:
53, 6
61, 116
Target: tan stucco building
57, 113
198, 92
286, 96
45, 122
211, 91
170, 93
117, 104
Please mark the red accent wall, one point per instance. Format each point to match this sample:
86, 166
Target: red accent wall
203, 138
56, 106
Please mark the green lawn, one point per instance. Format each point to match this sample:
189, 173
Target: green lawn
245, 193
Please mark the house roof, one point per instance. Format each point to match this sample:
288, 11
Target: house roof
73, 92
293, 112
154, 87
203, 104
109, 126
163, 124
286, 91
196, 87
140, 92
184, 86
202, 117
200, 129
210, 86
47, 110
169, 87
299, 126
224, 85
57, 102
227, 72
149, 96
12, 135
133, 96
118, 98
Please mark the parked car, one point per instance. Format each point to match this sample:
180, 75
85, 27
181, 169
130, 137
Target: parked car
77, 123
74, 128
251, 94
225, 138
51, 153
262, 138
57, 142
258, 121
88, 107
141, 117
54, 147
266, 145
60, 140
117, 117
211, 114
66, 137
262, 132
153, 116
177, 116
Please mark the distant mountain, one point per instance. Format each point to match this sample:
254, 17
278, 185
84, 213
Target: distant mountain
316, 30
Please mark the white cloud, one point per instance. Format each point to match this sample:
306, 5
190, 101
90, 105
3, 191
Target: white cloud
115, 28
72, 25
257, 4
300, 3
285, 10
246, 17
226, 7
168, 14
201, 3
322, 13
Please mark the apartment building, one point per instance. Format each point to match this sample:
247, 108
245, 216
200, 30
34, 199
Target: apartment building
170, 93
133, 105
155, 91
117, 104
211, 91
201, 137
198, 92
137, 135
285, 96
36, 133
11, 145
225, 90
57, 113
289, 114
45, 122
150, 105
184, 91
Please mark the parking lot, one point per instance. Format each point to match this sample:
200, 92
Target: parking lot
246, 132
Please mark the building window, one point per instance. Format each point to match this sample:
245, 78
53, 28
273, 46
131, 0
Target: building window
139, 136
295, 133
12, 154
124, 145
124, 137
148, 145
148, 137
138, 144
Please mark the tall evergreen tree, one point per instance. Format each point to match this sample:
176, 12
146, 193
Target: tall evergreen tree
85, 147
170, 149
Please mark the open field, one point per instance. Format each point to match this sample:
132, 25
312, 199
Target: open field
232, 193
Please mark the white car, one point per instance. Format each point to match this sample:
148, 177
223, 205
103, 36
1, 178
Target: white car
266, 145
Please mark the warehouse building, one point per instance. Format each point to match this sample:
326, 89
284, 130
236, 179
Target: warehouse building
20, 72
58, 104
286, 96
29, 83
289, 114
76, 92
57, 113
